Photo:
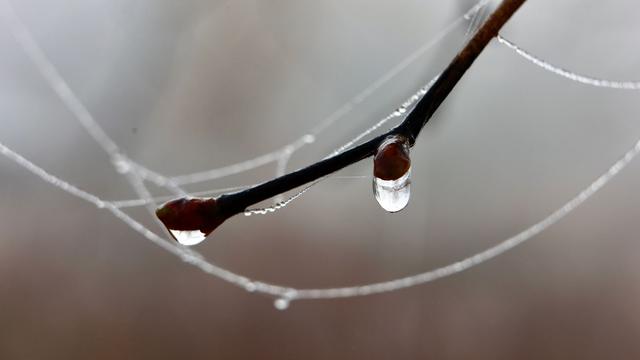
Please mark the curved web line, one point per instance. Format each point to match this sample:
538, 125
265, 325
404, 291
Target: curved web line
126, 166
584, 79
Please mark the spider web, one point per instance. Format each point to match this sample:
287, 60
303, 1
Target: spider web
137, 174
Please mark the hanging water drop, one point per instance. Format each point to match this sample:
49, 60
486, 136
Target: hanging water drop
392, 174
188, 238
393, 195
281, 304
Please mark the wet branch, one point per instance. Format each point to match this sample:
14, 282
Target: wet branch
231, 204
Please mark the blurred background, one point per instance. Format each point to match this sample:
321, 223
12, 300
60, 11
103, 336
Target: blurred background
191, 85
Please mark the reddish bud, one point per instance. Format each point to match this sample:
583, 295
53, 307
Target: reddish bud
392, 160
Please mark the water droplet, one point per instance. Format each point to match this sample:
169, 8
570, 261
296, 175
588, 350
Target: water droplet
281, 304
190, 257
288, 150
393, 195
392, 174
250, 286
122, 166
188, 237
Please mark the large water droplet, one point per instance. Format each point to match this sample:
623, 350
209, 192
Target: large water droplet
393, 195
188, 237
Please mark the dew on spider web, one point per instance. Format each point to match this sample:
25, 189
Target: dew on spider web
250, 286
121, 164
281, 303
284, 301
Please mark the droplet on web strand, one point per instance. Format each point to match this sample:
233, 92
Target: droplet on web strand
281, 303
250, 286
122, 166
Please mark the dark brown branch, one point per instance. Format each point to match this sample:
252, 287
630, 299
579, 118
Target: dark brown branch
231, 204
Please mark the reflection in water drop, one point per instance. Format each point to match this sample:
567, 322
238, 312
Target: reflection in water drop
393, 195
188, 238
281, 304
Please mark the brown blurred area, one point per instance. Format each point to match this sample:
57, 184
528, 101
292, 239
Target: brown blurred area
190, 85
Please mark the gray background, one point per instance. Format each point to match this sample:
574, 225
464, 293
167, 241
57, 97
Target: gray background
190, 85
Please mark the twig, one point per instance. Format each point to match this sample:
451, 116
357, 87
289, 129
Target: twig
228, 205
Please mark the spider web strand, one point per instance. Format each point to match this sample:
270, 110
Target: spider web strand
588, 80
